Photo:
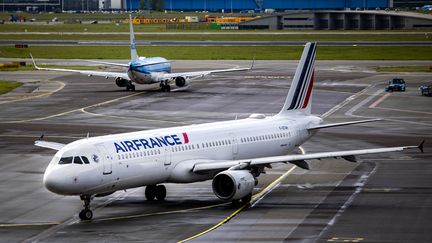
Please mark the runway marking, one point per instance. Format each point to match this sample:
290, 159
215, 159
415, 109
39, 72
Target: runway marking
344, 239
75, 110
29, 224
373, 105
362, 103
400, 110
255, 199
158, 213
217, 225
345, 102
130, 118
359, 187
62, 85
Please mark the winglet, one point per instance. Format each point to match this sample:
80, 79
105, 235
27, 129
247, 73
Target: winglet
253, 63
34, 63
421, 146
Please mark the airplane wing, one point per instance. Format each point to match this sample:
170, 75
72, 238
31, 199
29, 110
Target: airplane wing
200, 74
297, 159
110, 63
85, 72
50, 145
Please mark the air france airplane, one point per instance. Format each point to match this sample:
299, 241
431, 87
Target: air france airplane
142, 70
232, 153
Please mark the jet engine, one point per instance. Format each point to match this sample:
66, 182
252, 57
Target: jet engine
121, 82
181, 82
233, 184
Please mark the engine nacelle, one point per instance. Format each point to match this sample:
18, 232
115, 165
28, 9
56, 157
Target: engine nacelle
121, 82
233, 184
181, 82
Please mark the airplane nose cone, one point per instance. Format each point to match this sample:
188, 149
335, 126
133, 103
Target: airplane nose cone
54, 183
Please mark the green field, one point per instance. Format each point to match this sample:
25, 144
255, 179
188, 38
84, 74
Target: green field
6, 87
224, 52
404, 69
220, 37
120, 27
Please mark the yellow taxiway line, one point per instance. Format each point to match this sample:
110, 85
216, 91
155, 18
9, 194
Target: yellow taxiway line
257, 197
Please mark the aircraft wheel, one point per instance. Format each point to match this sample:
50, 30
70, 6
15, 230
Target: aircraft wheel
168, 88
160, 192
133, 87
150, 193
86, 214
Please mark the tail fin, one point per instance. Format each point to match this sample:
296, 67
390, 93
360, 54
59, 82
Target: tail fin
134, 54
300, 92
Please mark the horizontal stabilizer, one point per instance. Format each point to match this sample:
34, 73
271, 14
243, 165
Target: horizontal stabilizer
342, 124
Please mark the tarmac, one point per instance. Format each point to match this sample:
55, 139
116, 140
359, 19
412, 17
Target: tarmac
382, 198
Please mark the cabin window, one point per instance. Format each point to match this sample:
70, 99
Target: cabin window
198, 146
193, 147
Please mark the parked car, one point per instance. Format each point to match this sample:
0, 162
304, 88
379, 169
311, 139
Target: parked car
396, 84
426, 90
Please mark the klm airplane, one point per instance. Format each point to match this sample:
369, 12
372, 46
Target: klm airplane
142, 70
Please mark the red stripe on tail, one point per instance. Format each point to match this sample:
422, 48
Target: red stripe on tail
309, 91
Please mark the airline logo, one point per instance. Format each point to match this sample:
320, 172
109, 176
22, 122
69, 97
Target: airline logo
304, 85
150, 143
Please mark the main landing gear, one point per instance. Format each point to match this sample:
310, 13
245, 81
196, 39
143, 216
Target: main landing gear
155, 191
165, 87
86, 213
130, 86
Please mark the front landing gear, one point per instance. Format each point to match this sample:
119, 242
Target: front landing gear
153, 191
130, 86
86, 213
165, 87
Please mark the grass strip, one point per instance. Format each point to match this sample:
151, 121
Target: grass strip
7, 86
220, 37
404, 69
224, 52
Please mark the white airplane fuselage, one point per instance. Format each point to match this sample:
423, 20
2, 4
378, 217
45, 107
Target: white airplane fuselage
143, 158
148, 70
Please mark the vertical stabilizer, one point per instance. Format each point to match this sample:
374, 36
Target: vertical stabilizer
300, 93
134, 54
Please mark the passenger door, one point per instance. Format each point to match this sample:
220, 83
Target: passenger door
167, 155
234, 145
106, 159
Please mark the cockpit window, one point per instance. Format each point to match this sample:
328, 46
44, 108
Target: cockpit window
65, 160
77, 160
86, 161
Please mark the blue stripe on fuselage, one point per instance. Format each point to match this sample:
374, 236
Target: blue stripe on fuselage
151, 65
